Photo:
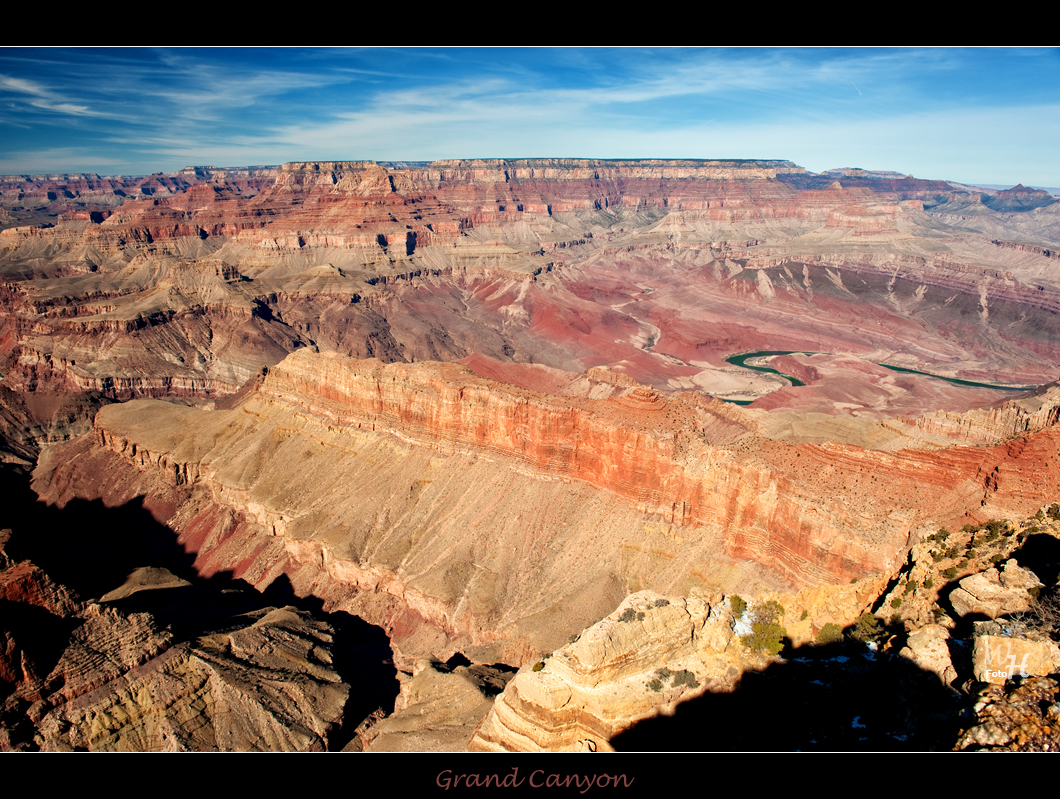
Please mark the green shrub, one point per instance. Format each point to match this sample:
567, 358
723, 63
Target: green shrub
1053, 512
997, 526
929, 583
867, 628
685, 677
539, 665
738, 605
830, 634
682, 677
950, 573
896, 602
766, 633
805, 615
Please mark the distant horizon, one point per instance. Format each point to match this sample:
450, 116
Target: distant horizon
1055, 190
969, 115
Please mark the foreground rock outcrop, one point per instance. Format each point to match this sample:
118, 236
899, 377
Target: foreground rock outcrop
1021, 718
649, 654
658, 669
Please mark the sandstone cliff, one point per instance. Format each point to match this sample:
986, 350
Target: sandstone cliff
466, 515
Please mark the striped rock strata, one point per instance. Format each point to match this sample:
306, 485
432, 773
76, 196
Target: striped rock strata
466, 515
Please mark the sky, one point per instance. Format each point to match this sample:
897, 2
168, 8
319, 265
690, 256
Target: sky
988, 116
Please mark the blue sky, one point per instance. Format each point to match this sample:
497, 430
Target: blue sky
972, 115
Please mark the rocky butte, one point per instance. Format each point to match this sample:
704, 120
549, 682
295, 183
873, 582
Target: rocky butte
485, 407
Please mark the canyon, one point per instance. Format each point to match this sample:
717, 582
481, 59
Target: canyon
482, 406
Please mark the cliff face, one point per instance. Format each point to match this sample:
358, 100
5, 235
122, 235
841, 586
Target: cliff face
463, 514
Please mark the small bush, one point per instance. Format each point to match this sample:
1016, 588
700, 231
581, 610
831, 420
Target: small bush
539, 665
996, 527
685, 677
896, 602
738, 606
929, 583
830, 634
766, 633
1054, 512
867, 628
950, 573
805, 615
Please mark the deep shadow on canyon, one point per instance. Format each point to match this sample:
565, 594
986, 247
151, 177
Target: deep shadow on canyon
839, 697
842, 696
92, 549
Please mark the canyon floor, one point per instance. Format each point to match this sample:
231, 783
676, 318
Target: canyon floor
462, 455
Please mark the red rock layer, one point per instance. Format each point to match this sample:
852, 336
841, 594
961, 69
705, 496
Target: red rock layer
808, 514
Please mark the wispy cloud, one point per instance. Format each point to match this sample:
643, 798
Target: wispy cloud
43, 97
166, 108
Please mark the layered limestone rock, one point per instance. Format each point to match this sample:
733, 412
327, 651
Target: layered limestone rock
649, 654
90, 676
267, 687
999, 423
